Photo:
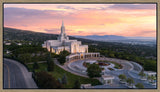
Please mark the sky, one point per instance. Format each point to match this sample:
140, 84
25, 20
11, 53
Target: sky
130, 20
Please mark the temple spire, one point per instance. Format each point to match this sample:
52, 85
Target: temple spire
62, 24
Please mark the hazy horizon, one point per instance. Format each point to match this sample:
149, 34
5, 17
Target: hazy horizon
128, 20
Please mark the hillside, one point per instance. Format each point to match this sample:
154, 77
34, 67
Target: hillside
142, 54
18, 34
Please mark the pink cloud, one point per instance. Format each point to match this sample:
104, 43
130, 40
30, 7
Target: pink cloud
137, 21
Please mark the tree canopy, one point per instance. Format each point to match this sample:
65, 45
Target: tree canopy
62, 56
94, 70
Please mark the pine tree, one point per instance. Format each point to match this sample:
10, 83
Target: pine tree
35, 65
50, 63
64, 79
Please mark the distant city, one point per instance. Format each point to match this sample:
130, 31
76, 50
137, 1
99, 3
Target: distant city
129, 40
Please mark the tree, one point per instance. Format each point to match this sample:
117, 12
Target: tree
50, 63
142, 74
151, 78
59, 79
45, 80
112, 55
35, 65
122, 77
64, 79
94, 71
139, 85
130, 81
150, 65
62, 56
77, 84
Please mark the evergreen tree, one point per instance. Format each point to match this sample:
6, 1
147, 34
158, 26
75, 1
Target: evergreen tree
35, 65
64, 79
60, 81
50, 63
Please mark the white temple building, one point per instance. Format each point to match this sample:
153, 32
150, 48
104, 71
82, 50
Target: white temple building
63, 43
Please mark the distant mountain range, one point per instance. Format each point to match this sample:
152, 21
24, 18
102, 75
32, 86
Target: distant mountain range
113, 38
26, 35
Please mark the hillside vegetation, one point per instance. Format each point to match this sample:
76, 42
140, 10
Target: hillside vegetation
142, 54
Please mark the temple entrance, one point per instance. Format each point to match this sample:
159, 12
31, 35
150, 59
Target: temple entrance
81, 56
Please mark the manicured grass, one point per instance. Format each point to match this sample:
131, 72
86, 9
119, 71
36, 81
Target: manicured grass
71, 78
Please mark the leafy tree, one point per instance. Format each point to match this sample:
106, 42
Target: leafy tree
142, 74
150, 65
151, 78
64, 79
35, 65
130, 81
62, 56
25, 58
112, 55
122, 77
139, 85
77, 84
45, 80
94, 70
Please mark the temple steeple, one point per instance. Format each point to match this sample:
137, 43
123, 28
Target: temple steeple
62, 35
62, 28
62, 23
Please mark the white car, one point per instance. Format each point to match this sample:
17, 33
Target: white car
143, 78
131, 86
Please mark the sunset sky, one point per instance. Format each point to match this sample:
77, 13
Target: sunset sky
84, 19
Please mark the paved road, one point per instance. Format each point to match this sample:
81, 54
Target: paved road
128, 67
15, 75
65, 67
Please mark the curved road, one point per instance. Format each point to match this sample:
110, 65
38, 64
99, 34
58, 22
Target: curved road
128, 69
15, 75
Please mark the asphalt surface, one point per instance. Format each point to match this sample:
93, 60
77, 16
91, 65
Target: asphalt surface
16, 76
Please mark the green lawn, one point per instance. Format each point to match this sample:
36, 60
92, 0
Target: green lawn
71, 78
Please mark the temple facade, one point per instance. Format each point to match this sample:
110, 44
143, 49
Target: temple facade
77, 50
63, 43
